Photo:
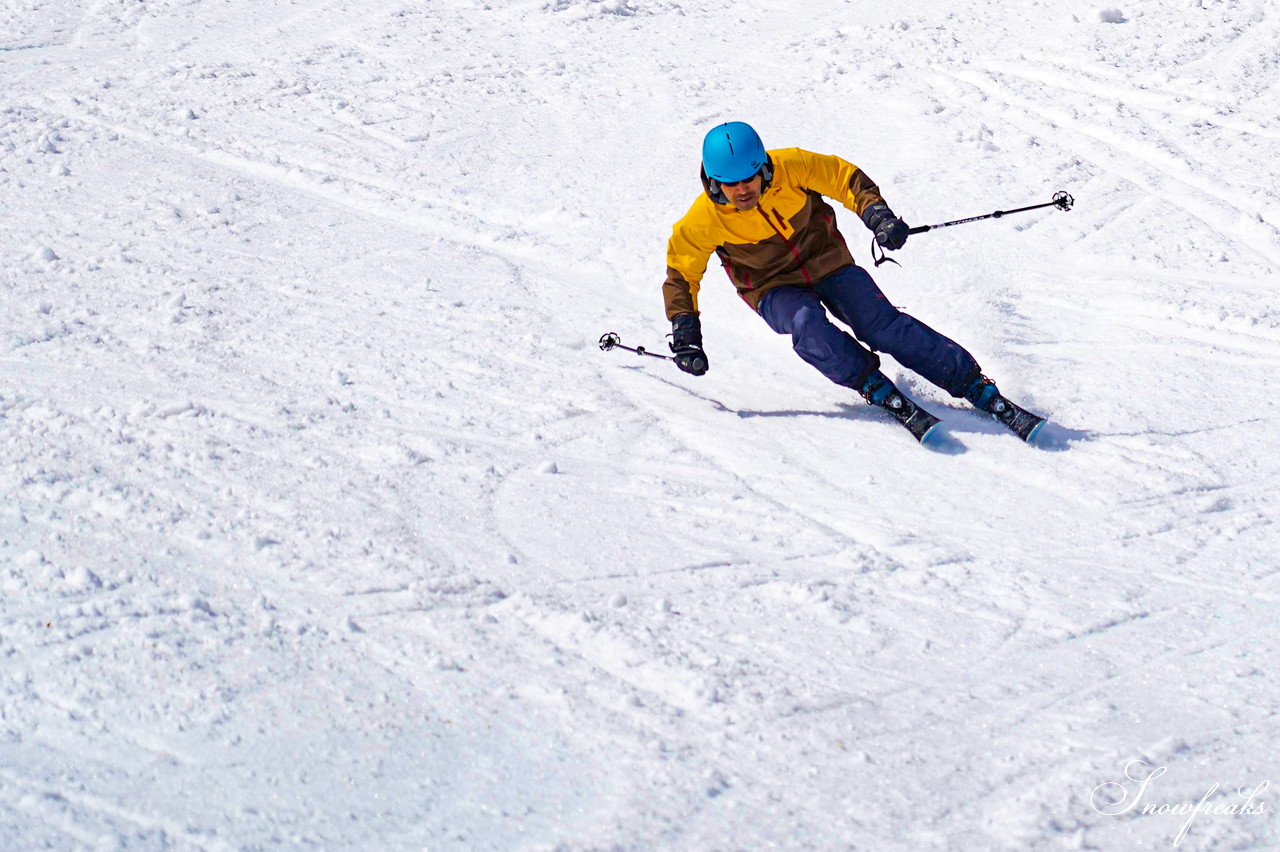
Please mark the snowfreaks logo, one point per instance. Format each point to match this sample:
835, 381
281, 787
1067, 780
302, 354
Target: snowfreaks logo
1112, 798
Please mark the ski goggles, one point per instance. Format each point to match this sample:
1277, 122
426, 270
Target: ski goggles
732, 183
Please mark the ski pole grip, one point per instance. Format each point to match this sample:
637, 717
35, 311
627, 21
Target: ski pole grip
920, 229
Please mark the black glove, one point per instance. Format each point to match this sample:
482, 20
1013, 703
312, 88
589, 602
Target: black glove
890, 231
686, 343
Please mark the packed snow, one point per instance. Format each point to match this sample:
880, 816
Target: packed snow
326, 523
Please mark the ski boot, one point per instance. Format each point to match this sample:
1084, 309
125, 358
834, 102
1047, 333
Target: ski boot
878, 390
985, 396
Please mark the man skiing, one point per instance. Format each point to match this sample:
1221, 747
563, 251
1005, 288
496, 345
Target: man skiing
763, 214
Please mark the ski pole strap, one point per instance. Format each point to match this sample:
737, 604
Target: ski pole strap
884, 258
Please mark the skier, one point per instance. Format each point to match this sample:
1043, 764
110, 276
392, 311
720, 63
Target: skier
763, 214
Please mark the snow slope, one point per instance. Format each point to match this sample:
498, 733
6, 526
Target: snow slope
326, 524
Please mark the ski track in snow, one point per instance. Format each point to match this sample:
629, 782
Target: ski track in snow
326, 525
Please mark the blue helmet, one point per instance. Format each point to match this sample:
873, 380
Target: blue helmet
733, 152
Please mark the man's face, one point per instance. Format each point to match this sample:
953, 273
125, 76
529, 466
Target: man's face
743, 194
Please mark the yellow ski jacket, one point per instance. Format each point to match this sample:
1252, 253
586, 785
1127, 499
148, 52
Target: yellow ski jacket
788, 238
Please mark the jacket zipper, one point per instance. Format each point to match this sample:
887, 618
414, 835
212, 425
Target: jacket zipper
794, 253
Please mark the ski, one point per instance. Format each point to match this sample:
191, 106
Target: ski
1019, 421
917, 421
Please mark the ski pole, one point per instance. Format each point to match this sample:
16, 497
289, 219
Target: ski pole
612, 341
1061, 200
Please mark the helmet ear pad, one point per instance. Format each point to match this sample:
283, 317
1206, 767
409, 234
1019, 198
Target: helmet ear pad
713, 188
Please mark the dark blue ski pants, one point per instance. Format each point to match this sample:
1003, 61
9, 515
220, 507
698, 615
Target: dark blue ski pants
854, 299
